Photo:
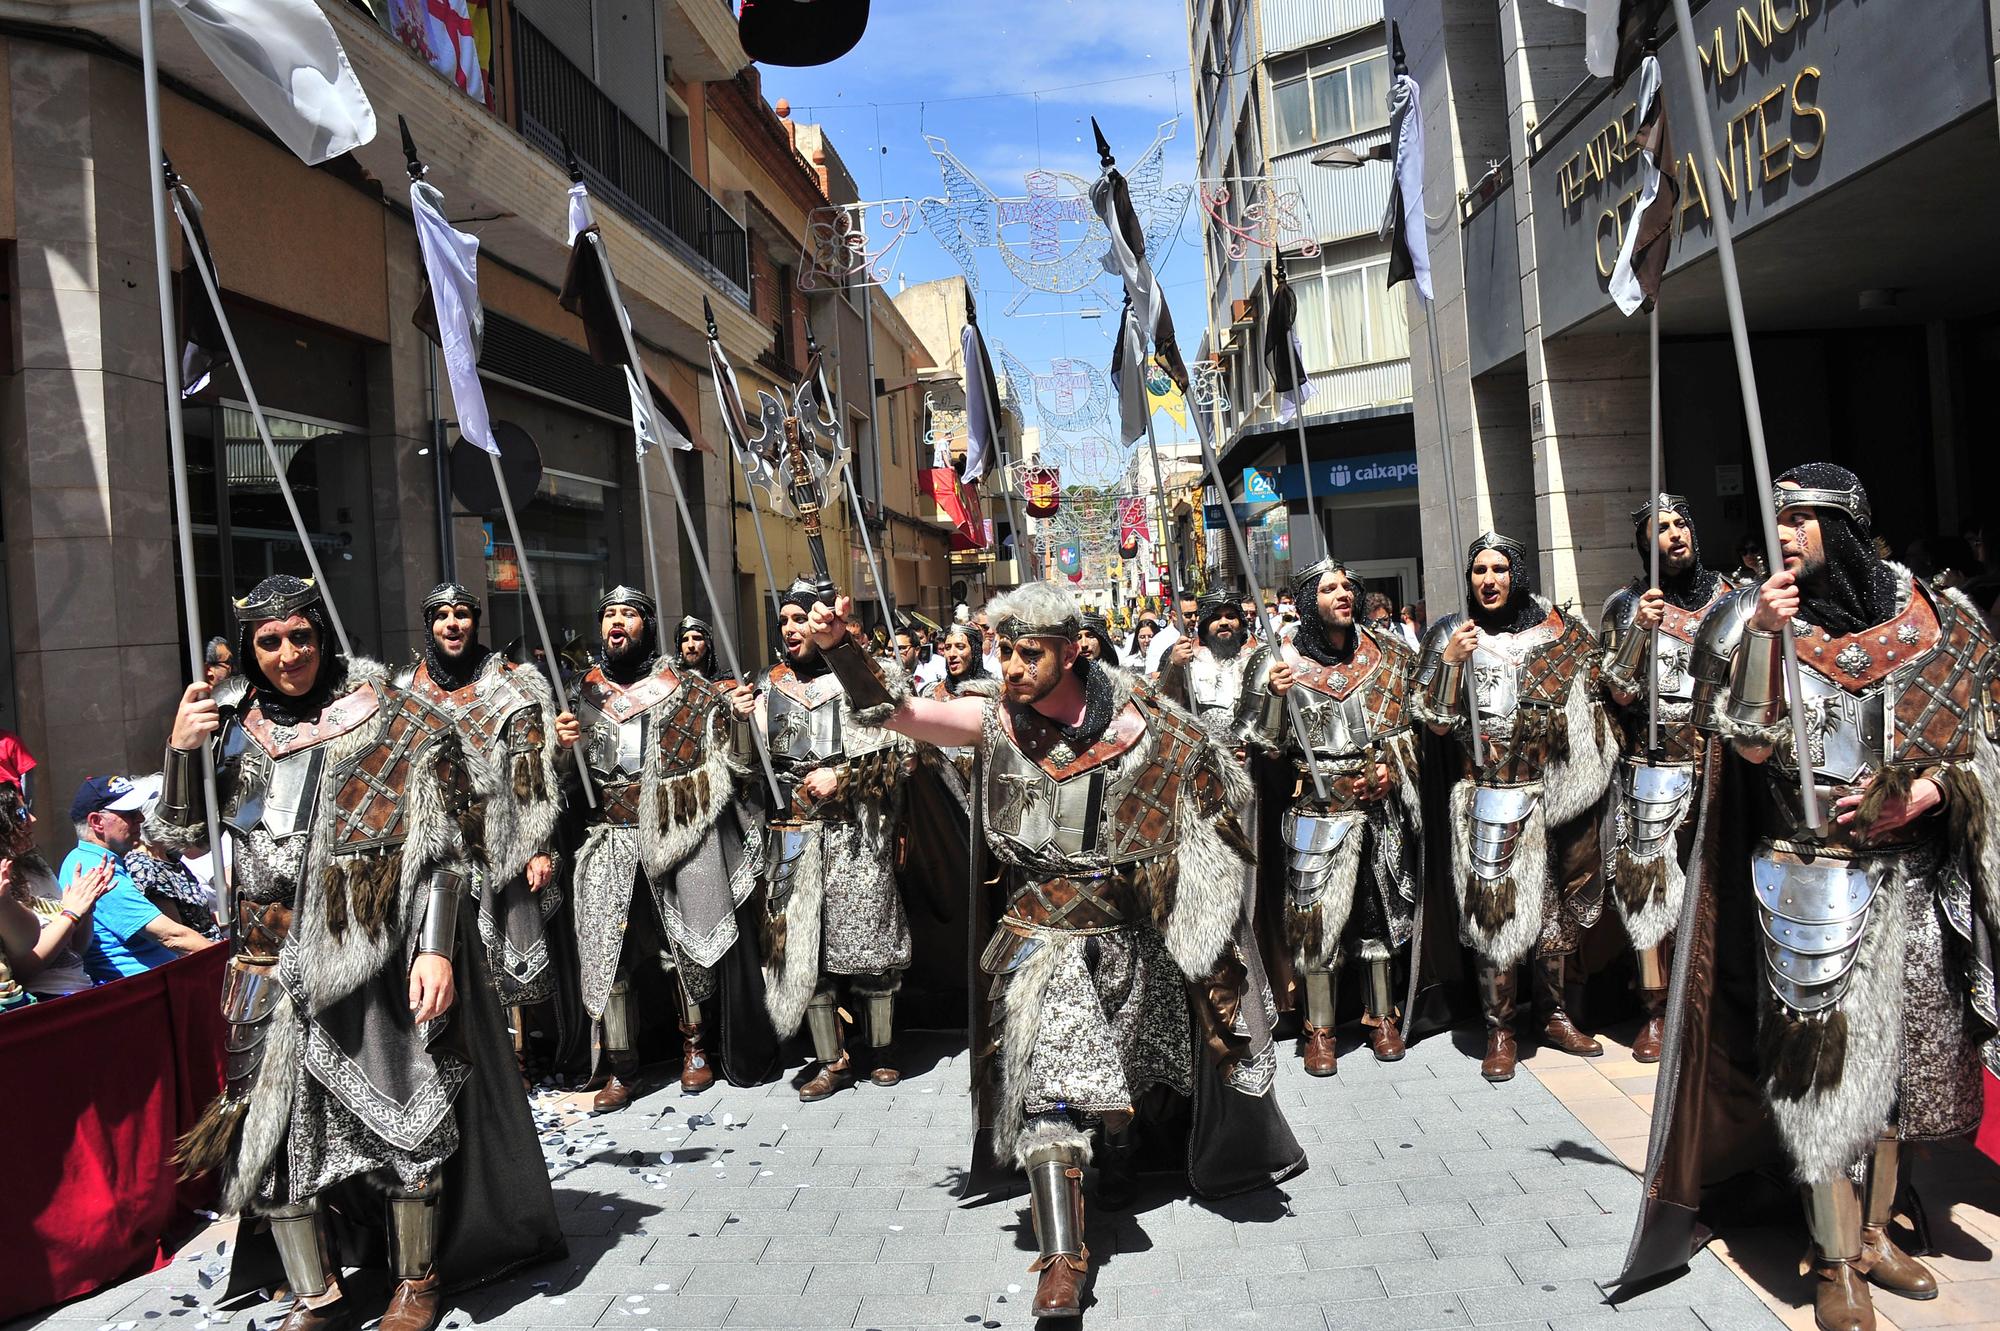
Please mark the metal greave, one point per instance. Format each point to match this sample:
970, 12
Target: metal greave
619, 1019
1833, 1218
1381, 993
1319, 998
304, 1247
690, 1009
1055, 1200
413, 1229
1879, 1198
881, 1008
823, 1025
1652, 969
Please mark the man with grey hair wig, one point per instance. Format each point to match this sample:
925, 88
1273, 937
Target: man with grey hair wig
1123, 946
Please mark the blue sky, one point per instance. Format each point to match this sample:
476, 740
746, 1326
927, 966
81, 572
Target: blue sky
963, 72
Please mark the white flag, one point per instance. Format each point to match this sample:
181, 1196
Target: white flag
451, 261
281, 57
1600, 33
580, 219
1403, 224
643, 417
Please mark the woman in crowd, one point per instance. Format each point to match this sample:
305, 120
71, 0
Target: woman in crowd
41, 924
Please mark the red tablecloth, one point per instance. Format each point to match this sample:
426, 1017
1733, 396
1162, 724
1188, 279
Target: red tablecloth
99, 1085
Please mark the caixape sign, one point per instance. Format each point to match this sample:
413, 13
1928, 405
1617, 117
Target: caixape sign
1805, 94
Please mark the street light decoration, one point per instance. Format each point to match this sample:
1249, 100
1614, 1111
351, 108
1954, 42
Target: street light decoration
1258, 216
855, 244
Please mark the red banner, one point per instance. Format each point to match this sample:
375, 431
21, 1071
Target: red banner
1131, 525
959, 503
1042, 488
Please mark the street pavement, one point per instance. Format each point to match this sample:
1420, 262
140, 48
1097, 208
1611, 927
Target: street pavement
1433, 1200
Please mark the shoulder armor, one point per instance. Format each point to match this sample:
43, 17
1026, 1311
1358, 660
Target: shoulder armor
1715, 644
1430, 653
1616, 617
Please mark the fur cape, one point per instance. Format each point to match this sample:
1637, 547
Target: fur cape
515, 779
1500, 920
1198, 905
869, 785
1315, 934
354, 916
677, 813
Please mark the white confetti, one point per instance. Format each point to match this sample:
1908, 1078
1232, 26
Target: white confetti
663, 1287
763, 1173
635, 1298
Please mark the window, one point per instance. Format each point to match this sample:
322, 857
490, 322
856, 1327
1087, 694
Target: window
1347, 316
1317, 98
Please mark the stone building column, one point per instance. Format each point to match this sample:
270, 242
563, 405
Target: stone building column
93, 611
1587, 396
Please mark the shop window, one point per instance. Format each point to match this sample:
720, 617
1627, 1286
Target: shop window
1319, 98
1347, 314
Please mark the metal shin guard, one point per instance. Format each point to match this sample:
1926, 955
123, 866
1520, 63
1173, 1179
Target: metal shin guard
1833, 1217
1879, 1201
619, 1020
1496, 996
1381, 994
1652, 969
413, 1230
300, 1233
1319, 998
691, 1013
881, 1009
1055, 1203
823, 1025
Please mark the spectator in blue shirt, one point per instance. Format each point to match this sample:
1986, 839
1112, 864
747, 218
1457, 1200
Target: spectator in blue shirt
128, 935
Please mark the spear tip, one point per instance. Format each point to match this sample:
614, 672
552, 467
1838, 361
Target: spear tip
708, 314
971, 308
569, 160
1396, 47
411, 161
1104, 157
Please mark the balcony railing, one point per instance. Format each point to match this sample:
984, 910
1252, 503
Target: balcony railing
621, 162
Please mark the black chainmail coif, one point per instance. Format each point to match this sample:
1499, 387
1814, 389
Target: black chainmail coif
283, 710
1854, 589
451, 673
1520, 612
1690, 590
1097, 700
1314, 637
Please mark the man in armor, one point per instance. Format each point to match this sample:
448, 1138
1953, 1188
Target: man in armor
1654, 799
507, 727
833, 915
1205, 673
664, 754
366, 1055
1538, 753
1872, 995
1351, 872
695, 641
1121, 951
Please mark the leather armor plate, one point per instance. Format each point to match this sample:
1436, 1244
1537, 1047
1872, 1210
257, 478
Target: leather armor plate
368, 801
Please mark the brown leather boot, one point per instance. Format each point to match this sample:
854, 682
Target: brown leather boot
1558, 1031
1496, 999
414, 1306
1385, 1037
884, 1072
696, 1075
1840, 1299
1055, 1192
1321, 1060
1646, 1044
1881, 1260
620, 1084
831, 1079
1059, 1290
330, 1315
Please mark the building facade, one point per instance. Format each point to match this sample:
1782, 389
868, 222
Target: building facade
320, 277
1861, 159
1278, 84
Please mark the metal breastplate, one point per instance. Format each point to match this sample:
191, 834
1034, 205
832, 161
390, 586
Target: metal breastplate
1070, 817
617, 722
1652, 802
802, 733
1498, 813
1336, 727
292, 760
1216, 684
1496, 684
1844, 731
1813, 915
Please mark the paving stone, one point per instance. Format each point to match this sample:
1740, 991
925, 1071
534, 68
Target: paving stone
774, 1310
930, 1310
1364, 1250
555, 1310
1503, 1240
1330, 1285
1188, 1298
1421, 1312
1519, 1303
1263, 1260
1535, 1206
669, 1310
869, 1278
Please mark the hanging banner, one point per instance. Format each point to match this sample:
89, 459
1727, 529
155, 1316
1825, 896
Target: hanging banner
1069, 560
1042, 488
1131, 524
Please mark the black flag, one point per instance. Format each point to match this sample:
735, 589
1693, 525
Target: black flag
203, 350
1282, 354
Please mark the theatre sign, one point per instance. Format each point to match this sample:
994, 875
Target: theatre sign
1805, 94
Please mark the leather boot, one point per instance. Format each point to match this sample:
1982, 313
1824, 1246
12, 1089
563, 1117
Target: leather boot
413, 1233
1496, 1002
1558, 1031
619, 1085
1055, 1201
305, 1249
831, 1079
1653, 999
1840, 1296
696, 1075
1881, 1260
1316, 1040
1384, 1022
